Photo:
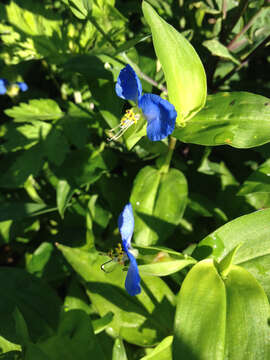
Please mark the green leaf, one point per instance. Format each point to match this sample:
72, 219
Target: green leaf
119, 352
247, 325
217, 49
21, 166
238, 119
64, 193
87, 166
143, 320
254, 255
200, 319
36, 302
258, 181
159, 201
19, 210
226, 263
55, 146
42, 109
101, 324
80, 8
40, 259
213, 317
162, 352
11, 355
166, 267
184, 72
21, 327
75, 339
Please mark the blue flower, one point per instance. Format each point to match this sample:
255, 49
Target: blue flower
126, 227
3, 86
22, 85
159, 113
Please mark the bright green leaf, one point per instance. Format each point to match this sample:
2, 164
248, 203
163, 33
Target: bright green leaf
184, 72
239, 119
142, 320
41, 109
217, 49
159, 200
252, 231
200, 319
119, 352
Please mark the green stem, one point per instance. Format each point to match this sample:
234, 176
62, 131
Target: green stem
232, 45
166, 165
244, 62
233, 21
137, 69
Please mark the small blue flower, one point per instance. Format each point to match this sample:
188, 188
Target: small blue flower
126, 227
22, 85
159, 113
3, 86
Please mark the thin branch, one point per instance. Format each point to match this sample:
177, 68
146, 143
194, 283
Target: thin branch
233, 21
138, 70
232, 45
244, 62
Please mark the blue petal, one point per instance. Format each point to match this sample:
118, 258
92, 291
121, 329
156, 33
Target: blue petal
132, 283
22, 85
126, 225
160, 116
3, 89
128, 85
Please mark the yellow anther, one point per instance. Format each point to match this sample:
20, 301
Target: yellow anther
129, 117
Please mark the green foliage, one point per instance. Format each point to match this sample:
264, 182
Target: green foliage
200, 197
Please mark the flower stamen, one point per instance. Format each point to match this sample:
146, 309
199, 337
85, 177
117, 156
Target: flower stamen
127, 120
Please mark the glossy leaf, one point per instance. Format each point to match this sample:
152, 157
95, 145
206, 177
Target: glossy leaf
238, 119
252, 231
200, 319
247, 336
184, 72
151, 311
213, 316
159, 201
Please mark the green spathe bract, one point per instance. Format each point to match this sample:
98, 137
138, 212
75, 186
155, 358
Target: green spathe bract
184, 72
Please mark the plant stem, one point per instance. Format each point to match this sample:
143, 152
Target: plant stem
233, 21
232, 45
140, 73
166, 165
244, 62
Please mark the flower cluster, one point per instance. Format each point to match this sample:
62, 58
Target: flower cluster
159, 113
5, 85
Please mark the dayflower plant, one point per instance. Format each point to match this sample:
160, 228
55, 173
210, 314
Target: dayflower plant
159, 113
124, 251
